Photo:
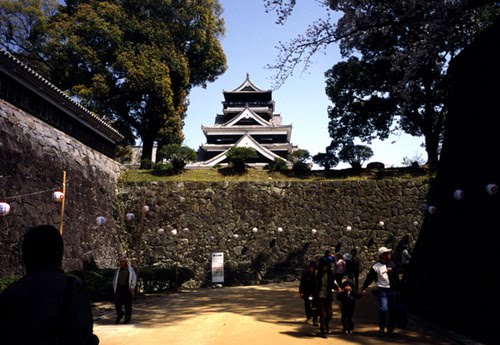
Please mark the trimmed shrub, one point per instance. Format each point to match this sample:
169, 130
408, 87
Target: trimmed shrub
277, 165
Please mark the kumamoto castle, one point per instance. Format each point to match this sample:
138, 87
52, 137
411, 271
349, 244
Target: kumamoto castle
248, 120
269, 230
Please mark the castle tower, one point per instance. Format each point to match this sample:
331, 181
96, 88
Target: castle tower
247, 120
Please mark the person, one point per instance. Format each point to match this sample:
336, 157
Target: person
328, 256
124, 282
45, 306
323, 293
405, 259
356, 268
347, 299
339, 270
384, 272
306, 291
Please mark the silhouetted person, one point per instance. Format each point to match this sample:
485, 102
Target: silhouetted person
306, 291
124, 283
45, 306
323, 293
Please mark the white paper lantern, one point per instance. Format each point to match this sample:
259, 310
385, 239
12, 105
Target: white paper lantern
173, 232
212, 238
186, 230
255, 230
100, 220
4, 209
432, 209
161, 231
415, 223
280, 229
348, 228
492, 189
236, 236
381, 224
184, 241
57, 196
314, 232
458, 194
145, 209
130, 217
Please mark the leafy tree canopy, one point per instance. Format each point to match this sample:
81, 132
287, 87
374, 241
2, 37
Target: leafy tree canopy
355, 155
132, 61
239, 156
397, 53
178, 155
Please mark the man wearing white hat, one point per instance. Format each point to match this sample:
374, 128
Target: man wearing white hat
385, 274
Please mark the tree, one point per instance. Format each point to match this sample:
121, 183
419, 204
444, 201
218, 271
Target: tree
239, 156
326, 159
355, 155
178, 155
299, 159
394, 78
134, 61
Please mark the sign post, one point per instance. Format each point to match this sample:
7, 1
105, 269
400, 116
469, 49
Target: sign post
217, 268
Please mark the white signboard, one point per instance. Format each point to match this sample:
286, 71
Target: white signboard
217, 267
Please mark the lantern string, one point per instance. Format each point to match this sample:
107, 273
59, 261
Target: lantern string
29, 194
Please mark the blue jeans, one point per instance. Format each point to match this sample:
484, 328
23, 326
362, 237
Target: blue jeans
386, 308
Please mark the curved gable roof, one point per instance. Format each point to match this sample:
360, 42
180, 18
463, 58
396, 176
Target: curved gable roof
245, 114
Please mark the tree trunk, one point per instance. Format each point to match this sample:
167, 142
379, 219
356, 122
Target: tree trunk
431, 148
147, 152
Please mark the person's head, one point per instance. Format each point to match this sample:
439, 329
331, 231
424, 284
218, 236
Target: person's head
123, 262
384, 254
354, 252
312, 266
338, 256
42, 248
347, 285
327, 253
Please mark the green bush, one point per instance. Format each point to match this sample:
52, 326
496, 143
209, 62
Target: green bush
278, 165
150, 279
163, 169
146, 164
239, 156
6, 281
178, 155
157, 279
99, 283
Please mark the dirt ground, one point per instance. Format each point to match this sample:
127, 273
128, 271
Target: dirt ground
251, 315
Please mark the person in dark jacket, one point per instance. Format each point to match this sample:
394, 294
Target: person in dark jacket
323, 292
347, 299
384, 272
306, 291
45, 307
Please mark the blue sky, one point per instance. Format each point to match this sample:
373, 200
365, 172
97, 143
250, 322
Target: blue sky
249, 43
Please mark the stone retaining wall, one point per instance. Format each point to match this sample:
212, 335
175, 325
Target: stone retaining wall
215, 217
33, 156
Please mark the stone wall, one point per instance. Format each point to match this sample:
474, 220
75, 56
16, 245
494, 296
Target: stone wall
33, 156
211, 215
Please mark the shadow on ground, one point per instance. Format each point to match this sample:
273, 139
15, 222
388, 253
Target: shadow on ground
276, 303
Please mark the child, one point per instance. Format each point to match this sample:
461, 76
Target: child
347, 300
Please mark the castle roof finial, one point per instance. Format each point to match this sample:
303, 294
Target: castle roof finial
248, 76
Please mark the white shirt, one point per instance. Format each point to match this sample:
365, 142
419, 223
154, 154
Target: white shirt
382, 275
405, 257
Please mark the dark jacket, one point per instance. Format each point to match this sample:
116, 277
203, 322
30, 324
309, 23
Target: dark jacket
331, 285
41, 309
348, 301
307, 283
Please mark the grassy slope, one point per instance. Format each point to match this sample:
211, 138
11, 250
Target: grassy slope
213, 175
